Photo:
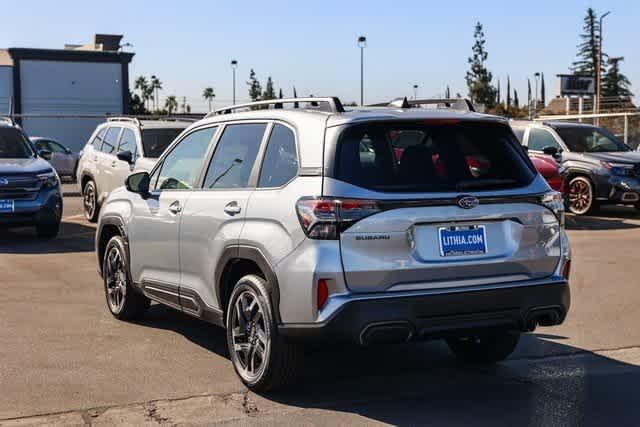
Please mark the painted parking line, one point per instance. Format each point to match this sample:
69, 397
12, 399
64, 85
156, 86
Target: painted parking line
73, 216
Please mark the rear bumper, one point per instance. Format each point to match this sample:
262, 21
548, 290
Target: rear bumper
368, 319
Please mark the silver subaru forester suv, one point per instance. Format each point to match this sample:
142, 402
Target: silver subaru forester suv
315, 223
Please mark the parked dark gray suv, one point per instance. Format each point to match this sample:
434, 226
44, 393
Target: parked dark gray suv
598, 167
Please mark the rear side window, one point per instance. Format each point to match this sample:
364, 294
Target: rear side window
235, 155
111, 140
432, 156
280, 162
155, 141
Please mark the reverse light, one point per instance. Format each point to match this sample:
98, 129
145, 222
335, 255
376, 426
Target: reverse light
323, 293
324, 218
554, 201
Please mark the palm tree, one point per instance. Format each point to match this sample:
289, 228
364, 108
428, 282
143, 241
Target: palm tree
171, 104
208, 94
156, 85
142, 85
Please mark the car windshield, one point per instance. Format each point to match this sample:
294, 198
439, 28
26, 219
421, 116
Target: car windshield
155, 141
432, 156
13, 144
591, 140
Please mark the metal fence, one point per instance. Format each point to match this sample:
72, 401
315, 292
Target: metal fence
624, 125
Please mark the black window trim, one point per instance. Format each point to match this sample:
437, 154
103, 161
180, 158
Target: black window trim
263, 152
115, 147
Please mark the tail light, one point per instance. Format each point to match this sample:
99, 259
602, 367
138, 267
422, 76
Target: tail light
554, 201
324, 218
323, 293
566, 269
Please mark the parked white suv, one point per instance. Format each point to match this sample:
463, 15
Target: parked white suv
117, 148
368, 225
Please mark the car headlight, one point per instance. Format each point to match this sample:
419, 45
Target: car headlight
49, 179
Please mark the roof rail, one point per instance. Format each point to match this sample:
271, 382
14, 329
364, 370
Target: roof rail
462, 104
124, 119
333, 105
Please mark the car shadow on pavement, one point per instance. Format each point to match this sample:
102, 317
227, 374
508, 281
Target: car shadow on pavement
73, 237
604, 220
421, 383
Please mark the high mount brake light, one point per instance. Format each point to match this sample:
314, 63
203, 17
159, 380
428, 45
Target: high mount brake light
324, 218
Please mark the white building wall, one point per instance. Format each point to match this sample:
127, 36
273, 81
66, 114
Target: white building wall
6, 88
68, 88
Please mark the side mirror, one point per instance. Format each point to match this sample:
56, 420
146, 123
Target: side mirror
67, 150
550, 151
138, 183
45, 154
126, 156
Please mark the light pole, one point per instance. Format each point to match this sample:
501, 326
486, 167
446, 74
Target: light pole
362, 43
415, 91
535, 97
234, 65
598, 77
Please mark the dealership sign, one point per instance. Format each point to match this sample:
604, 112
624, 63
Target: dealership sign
571, 84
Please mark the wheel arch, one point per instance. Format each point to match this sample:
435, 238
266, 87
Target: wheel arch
238, 261
109, 226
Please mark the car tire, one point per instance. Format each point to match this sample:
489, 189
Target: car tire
252, 337
90, 201
123, 300
485, 349
580, 196
47, 230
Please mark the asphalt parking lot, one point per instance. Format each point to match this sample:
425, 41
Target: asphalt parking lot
65, 360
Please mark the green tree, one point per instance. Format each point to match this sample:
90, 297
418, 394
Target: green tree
255, 89
136, 105
269, 91
516, 101
171, 104
587, 56
528, 92
280, 94
498, 93
478, 77
543, 101
142, 85
616, 84
508, 91
208, 94
156, 85
447, 93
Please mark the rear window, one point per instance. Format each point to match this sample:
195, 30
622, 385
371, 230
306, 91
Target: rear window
155, 141
13, 144
432, 156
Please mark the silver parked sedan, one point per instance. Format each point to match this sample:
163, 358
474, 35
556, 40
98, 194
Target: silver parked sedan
63, 160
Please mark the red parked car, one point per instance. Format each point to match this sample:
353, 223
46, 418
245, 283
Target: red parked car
549, 169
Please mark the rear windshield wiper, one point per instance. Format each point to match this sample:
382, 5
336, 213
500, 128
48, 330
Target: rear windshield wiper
485, 183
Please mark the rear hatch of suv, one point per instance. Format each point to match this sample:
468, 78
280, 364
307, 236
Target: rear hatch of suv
438, 204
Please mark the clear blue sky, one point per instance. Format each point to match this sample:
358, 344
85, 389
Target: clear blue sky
312, 45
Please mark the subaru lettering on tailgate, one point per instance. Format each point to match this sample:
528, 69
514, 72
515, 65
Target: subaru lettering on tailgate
465, 240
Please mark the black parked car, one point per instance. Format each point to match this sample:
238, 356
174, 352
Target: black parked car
598, 167
30, 192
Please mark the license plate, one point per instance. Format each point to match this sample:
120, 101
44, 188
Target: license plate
463, 240
6, 206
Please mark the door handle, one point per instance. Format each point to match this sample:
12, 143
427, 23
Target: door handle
113, 164
232, 208
175, 207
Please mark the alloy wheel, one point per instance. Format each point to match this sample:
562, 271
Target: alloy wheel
116, 279
580, 197
250, 338
89, 201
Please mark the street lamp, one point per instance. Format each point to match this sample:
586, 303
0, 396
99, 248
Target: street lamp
415, 91
598, 77
362, 43
234, 65
535, 97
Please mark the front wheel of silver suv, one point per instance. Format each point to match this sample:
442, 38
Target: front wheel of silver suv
262, 359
